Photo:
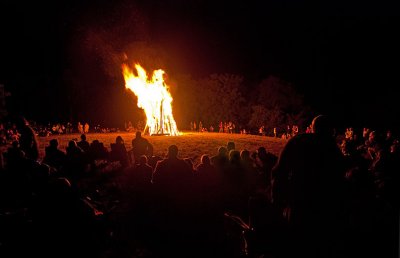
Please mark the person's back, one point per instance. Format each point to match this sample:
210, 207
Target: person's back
53, 156
97, 151
83, 143
119, 152
140, 147
75, 163
266, 161
307, 186
220, 161
175, 205
144, 172
27, 139
172, 169
14, 156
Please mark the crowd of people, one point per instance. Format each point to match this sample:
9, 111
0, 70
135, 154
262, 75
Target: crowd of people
321, 197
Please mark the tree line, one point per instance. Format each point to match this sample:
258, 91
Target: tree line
272, 102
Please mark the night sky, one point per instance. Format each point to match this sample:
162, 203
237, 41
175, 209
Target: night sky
342, 57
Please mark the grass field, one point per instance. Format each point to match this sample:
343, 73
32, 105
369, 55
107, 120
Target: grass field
191, 145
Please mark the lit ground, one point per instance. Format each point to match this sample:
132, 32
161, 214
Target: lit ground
191, 145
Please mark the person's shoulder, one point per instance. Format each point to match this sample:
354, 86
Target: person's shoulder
161, 162
295, 139
299, 140
60, 152
213, 158
270, 155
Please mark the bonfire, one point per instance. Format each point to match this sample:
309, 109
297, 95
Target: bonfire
153, 97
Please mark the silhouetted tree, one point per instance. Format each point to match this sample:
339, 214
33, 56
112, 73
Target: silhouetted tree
221, 98
278, 104
270, 118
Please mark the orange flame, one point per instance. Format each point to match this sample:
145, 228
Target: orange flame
154, 98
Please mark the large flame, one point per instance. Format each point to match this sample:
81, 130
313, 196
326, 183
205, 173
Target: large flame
154, 98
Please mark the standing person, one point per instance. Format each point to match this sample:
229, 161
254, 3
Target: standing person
308, 189
27, 140
86, 128
69, 127
80, 128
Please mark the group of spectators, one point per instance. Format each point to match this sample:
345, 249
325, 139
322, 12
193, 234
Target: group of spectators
321, 197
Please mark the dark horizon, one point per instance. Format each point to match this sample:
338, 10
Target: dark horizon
342, 58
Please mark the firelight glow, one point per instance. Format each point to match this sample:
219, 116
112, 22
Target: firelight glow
154, 97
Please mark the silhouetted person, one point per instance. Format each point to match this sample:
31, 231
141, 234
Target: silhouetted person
144, 170
205, 165
75, 161
119, 152
252, 177
172, 181
235, 186
14, 156
54, 157
140, 146
97, 152
308, 181
152, 159
220, 161
230, 146
27, 140
189, 162
65, 222
265, 162
172, 169
83, 143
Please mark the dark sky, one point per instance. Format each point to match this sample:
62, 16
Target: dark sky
343, 57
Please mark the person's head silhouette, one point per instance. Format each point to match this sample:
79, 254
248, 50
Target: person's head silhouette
322, 125
172, 151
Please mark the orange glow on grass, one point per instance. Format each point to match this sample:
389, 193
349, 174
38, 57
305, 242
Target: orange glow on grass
153, 97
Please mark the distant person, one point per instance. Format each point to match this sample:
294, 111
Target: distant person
140, 146
27, 140
80, 128
86, 128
